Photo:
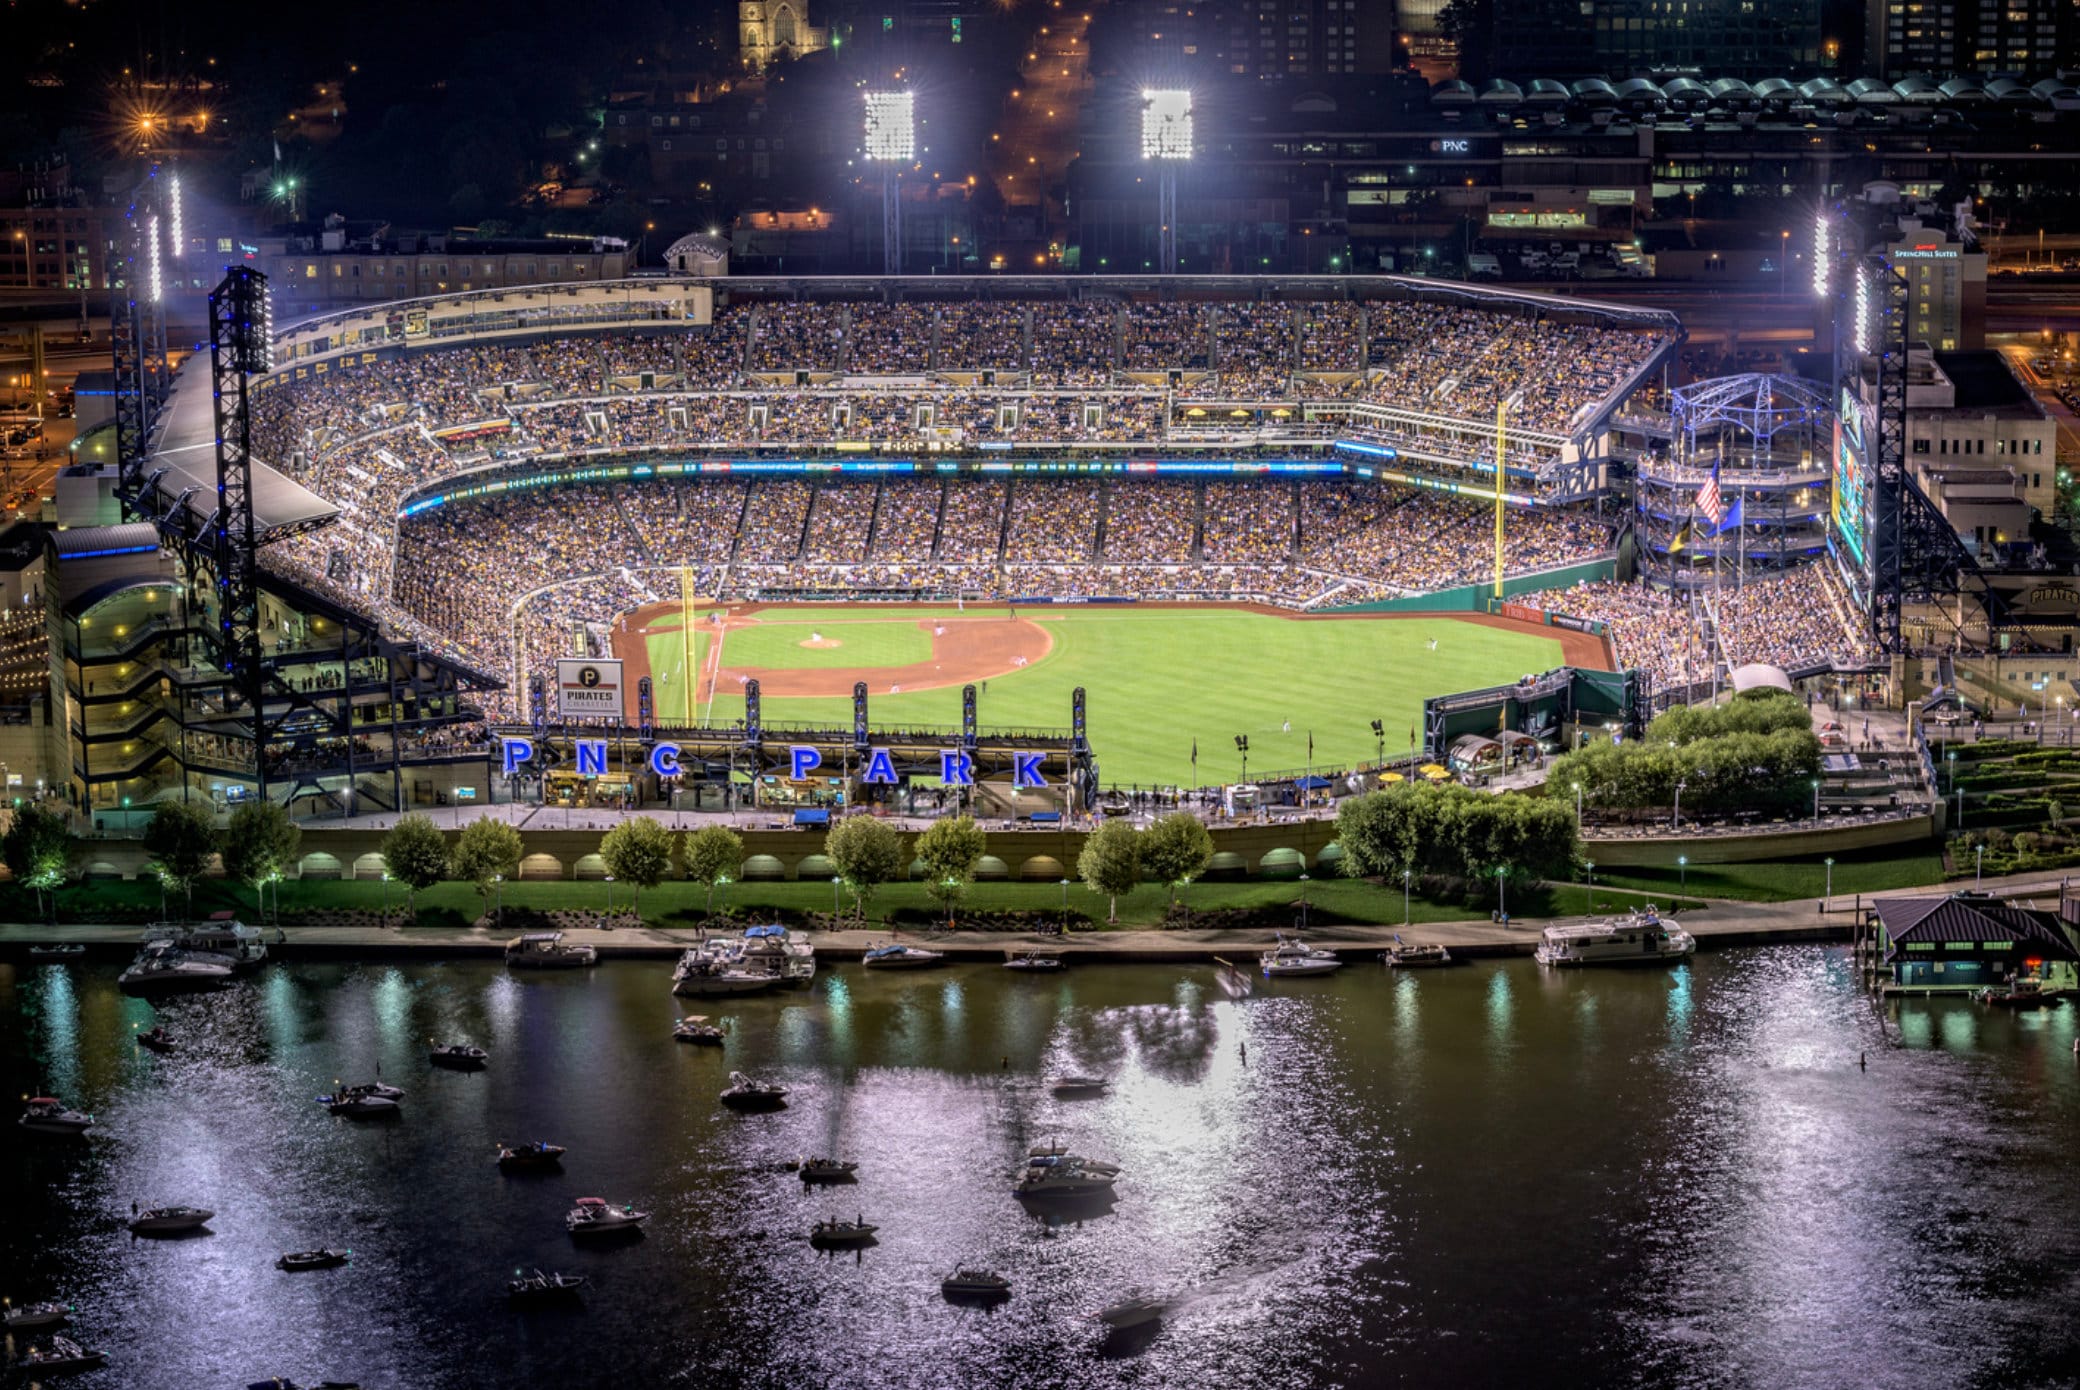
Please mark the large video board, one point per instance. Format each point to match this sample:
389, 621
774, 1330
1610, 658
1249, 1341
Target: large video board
1855, 429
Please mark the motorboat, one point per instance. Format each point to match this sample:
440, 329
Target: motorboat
162, 968
27, 1315
1292, 956
898, 955
695, 1028
1053, 1171
595, 1217
49, 1115
827, 1170
534, 1154
297, 1261
790, 959
459, 1057
58, 950
361, 1106
745, 1094
169, 1221
1403, 956
703, 973
1133, 1311
831, 1232
1641, 937
58, 1356
545, 950
1032, 963
539, 1287
223, 938
1079, 1087
157, 1039
975, 1284
2025, 993
368, 1088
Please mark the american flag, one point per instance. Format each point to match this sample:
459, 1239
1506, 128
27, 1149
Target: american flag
1708, 500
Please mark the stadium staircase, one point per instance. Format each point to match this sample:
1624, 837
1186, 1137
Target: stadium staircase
1705, 620
1104, 507
939, 517
801, 540
1299, 521
1004, 522
874, 519
1199, 521
642, 542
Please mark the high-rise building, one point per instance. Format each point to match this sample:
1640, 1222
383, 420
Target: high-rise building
1184, 39
2022, 38
1619, 38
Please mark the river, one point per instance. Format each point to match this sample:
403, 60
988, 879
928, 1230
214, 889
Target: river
1668, 1178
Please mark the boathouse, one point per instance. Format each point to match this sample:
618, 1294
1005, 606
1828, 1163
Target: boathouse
1964, 941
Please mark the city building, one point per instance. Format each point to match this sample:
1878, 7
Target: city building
1981, 446
310, 274
776, 31
1194, 42
2028, 39
1622, 38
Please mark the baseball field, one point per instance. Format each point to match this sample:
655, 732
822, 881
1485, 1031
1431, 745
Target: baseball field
1158, 679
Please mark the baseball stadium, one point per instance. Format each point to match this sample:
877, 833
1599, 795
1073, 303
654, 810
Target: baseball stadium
1167, 533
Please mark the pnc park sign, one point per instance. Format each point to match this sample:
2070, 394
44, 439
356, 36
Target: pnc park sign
956, 767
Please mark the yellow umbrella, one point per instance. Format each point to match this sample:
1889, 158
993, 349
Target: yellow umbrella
1435, 772
1392, 777
1239, 414
1195, 410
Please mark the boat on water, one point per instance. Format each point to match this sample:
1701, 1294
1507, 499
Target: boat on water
2027, 992
360, 1106
833, 1233
65, 950
58, 1356
539, 1287
704, 972
597, 1217
791, 959
459, 1057
1641, 937
534, 1154
164, 968
1032, 962
1403, 956
975, 1284
900, 955
169, 1221
1292, 956
368, 1088
743, 1093
49, 1115
297, 1261
1133, 1311
1079, 1087
283, 1383
27, 1315
545, 950
1053, 1171
827, 1170
695, 1029
157, 1039
222, 937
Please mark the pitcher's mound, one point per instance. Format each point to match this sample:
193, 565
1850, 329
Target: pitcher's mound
820, 643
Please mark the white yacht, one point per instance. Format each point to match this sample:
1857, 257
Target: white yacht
162, 967
167, 1221
222, 937
545, 950
703, 972
1641, 937
595, 1216
1292, 956
897, 955
791, 959
1053, 1171
48, 1115
1133, 1311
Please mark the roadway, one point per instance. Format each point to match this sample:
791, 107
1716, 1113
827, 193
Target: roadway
1035, 138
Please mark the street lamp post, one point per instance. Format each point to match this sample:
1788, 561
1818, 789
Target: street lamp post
1978, 865
1578, 805
1679, 805
1827, 898
1682, 873
1816, 801
1407, 877
1960, 809
1951, 758
1065, 907
610, 895
835, 881
1590, 866
1502, 892
498, 899
1303, 902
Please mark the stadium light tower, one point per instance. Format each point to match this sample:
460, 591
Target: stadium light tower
1166, 138
891, 142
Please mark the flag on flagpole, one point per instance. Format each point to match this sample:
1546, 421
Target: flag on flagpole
1195, 754
1680, 542
1708, 500
1733, 517
1310, 745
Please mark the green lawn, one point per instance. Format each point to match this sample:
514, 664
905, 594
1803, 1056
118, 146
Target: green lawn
1784, 881
1159, 679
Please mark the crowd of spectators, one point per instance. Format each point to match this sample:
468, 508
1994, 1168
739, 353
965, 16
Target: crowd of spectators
1147, 522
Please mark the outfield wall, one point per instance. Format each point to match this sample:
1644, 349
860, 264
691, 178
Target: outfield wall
1473, 598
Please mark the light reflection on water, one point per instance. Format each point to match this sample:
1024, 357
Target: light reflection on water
1663, 1178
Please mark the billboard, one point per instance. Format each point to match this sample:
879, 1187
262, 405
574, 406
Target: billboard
1850, 481
586, 687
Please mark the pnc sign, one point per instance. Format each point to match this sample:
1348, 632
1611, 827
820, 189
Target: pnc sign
956, 767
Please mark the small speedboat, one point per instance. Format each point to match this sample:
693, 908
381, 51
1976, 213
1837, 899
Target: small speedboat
1134, 1311
368, 1088
975, 1284
169, 1221
362, 1106
1052, 1171
48, 1115
58, 1356
2026, 993
298, 1260
833, 1233
1033, 963
827, 1170
897, 955
1403, 956
595, 1216
157, 1039
695, 1028
745, 1094
162, 967
28, 1315
1079, 1087
459, 1057
534, 1154
69, 950
1293, 956
543, 1288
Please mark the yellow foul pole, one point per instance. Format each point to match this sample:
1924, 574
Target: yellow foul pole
1500, 409
686, 636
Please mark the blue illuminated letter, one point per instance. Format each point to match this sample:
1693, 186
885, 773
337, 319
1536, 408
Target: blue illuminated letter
664, 760
806, 761
956, 769
592, 757
518, 751
1025, 770
881, 768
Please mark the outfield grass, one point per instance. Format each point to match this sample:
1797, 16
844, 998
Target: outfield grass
1159, 680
